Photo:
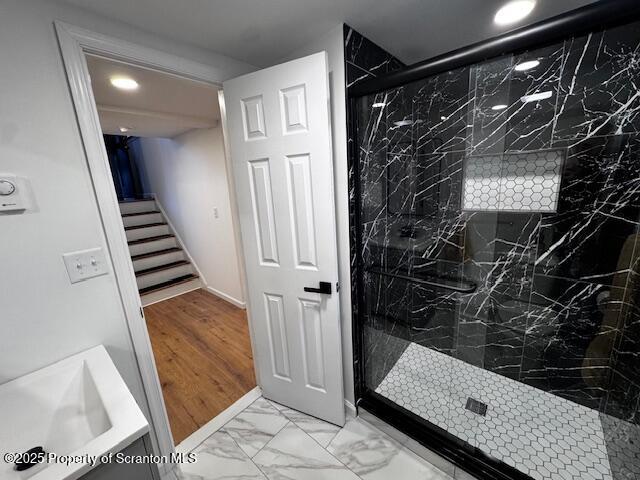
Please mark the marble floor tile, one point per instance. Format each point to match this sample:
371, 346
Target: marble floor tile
180, 475
294, 455
277, 406
374, 455
321, 431
271, 441
219, 457
255, 426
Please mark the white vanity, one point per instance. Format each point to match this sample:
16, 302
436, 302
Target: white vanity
78, 407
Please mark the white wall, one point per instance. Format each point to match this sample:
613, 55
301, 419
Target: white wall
44, 318
188, 175
333, 44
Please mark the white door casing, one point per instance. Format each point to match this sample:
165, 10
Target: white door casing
280, 141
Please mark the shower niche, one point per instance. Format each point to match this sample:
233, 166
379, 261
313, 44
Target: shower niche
495, 226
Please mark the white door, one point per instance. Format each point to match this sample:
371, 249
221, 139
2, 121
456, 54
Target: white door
280, 140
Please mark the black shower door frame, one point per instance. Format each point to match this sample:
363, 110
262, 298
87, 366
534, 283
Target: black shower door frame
595, 17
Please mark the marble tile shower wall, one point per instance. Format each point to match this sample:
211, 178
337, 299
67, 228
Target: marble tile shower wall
546, 296
364, 60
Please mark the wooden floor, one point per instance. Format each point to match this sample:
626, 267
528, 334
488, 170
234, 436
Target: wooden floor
203, 355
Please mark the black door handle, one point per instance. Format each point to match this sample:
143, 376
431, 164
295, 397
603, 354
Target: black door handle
325, 287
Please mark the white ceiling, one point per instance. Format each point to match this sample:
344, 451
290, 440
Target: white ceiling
261, 32
162, 106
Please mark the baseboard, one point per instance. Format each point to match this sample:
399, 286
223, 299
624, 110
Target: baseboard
226, 297
178, 238
208, 429
350, 408
203, 280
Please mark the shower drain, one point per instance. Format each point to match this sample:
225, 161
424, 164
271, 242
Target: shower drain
476, 406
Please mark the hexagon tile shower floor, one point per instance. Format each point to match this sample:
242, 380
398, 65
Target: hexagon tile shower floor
537, 432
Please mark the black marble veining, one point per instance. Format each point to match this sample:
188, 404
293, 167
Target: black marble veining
543, 296
599, 92
364, 59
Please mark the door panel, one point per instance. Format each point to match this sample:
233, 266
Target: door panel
301, 206
253, 118
312, 343
263, 216
277, 336
294, 109
280, 140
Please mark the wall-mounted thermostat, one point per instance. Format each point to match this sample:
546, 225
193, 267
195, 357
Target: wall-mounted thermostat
11, 194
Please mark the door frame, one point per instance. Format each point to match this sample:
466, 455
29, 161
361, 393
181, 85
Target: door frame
74, 43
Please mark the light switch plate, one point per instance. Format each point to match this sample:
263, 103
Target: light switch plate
85, 264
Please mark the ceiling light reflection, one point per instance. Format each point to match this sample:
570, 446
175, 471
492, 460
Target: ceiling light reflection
524, 66
536, 97
514, 11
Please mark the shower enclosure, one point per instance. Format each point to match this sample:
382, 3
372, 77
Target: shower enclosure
496, 215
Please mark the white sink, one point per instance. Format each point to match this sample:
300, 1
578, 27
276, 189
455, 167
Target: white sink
78, 406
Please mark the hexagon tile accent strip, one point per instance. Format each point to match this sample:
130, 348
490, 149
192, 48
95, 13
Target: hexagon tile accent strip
543, 435
518, 182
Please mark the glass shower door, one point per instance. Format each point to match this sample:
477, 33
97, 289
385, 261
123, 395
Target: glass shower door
499, 207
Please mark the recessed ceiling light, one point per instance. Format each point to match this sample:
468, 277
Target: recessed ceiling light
524, 66
443, 118
124, 129
499, 107
514, 11
403, 123
378, 105
124, 83
535, 97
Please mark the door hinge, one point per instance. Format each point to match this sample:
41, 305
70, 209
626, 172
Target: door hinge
337, 286
141, 312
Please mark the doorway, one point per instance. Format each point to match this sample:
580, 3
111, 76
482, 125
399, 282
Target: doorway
164, 143
298, 300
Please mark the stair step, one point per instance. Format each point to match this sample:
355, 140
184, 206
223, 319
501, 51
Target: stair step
150, 239
159, 256
139, 232
136, 206
150, 274
171, 283
168, 266
151, 212
131, 200
148, 225
142, 219
152, 245
156, 253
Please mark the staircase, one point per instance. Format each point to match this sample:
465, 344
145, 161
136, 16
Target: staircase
162, 268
